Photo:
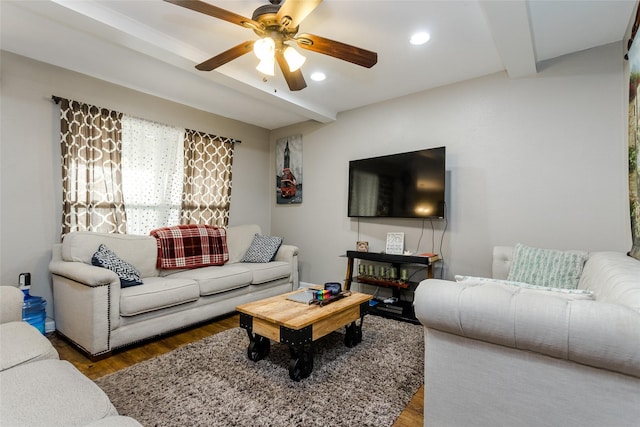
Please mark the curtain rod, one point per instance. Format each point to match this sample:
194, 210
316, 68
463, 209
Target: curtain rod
634, 31
57, 100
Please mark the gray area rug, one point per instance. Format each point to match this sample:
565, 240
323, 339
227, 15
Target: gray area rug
212, 383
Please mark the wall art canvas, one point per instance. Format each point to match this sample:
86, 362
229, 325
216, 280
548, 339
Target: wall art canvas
289, 170
634, 144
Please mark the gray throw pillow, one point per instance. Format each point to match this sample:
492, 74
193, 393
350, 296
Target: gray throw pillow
262, 249
106, 258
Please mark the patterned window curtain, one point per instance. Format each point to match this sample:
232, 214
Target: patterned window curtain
207, 179
152, 173
90, 139
634, 137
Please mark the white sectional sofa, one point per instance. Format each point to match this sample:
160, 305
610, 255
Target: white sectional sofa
38, 389
502, 355
93, 311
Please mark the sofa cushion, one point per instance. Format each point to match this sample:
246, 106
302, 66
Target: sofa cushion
157, 293
106, 258
262, 249
216, 279
267, 272
140, 251
51, 393
22, 343
547, 267
190, 246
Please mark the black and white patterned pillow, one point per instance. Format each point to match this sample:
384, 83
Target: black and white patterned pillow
106, 258
262, 249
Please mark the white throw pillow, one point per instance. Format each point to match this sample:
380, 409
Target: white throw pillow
572, 293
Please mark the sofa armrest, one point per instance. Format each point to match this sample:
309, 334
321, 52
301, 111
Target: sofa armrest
11, 300
86, 303
286, 253
589, 332
289, 253
85, 274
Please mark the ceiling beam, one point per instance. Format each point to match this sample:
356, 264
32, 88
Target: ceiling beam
172, 56
510, 27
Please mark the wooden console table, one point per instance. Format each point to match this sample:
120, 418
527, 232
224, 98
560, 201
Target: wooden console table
402, 310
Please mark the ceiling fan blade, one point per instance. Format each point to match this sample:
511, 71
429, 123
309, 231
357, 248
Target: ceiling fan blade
226, 56
294, 11
339, 50
294, 79
216, 12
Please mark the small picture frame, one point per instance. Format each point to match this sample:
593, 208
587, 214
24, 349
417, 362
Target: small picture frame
362, 246
395, 244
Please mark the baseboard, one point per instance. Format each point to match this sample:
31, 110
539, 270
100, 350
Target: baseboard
49, 325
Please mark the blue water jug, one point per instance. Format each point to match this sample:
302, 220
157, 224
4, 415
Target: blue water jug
34, 311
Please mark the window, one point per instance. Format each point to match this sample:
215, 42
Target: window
123, 174
152, 169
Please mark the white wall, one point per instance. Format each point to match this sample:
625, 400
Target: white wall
539, 160
30, 175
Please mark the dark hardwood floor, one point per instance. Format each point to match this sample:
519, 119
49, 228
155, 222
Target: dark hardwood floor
412, 415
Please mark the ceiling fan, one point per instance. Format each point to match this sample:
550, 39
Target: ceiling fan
277, 24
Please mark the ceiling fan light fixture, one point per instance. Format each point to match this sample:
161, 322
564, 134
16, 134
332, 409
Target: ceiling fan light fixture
267, 66
420, 38
294, 58
264, 48
318, 76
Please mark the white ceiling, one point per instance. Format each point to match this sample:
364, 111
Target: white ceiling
152, 46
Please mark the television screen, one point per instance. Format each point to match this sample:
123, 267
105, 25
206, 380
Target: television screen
405, 185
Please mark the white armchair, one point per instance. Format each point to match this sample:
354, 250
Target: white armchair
502, 355
38, 389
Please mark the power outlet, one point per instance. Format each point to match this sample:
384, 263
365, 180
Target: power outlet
24, 279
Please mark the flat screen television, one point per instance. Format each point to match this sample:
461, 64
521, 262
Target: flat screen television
405, 185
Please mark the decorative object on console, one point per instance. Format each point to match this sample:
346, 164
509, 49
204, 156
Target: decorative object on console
362, 246
262, 249
106, 258
395, 244
547, 267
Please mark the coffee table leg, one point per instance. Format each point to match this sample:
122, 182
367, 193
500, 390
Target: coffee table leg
259, 347
353, 335
301, 364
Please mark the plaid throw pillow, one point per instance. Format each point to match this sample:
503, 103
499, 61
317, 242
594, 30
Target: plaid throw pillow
106, 258
262, 249
191, 246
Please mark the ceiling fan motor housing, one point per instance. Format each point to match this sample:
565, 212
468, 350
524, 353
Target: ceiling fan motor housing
267, 16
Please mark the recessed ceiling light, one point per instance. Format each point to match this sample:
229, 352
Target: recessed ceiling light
419, 38
318, 76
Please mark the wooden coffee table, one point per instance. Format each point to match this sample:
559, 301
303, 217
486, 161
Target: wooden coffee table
298, 325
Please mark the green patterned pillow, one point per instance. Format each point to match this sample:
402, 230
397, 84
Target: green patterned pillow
547, 267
